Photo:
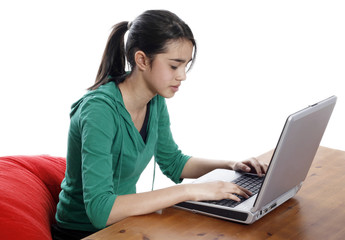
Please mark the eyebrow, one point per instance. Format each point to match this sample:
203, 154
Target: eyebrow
180, 60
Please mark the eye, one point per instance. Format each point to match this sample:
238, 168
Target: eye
173, 67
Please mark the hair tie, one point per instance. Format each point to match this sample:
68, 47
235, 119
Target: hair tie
129, 24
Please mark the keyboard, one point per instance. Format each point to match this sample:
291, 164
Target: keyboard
248, 181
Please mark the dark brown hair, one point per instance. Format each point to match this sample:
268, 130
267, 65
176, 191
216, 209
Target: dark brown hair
150, 32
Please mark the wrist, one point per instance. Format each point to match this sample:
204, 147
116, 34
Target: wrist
188, 192
231, 165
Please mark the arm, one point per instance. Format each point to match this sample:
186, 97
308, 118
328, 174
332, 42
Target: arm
148, 202
97, 127
196, 167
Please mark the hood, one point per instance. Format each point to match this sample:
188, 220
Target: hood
109, 91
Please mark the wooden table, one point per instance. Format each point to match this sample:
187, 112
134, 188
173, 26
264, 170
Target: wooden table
316, 212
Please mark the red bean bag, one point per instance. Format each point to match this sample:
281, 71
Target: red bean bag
29, 189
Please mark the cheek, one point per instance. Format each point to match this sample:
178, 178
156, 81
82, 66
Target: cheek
162, 75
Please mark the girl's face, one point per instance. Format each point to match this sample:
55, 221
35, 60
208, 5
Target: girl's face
169, 69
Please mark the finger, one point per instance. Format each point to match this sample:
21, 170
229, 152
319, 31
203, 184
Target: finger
264, 168
257, 166
244, 192
238, 190
243, 167
241, 191
233, 197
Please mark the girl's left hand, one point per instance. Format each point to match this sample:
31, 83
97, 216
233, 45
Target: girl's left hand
251, 165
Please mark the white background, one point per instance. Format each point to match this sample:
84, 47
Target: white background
258, 61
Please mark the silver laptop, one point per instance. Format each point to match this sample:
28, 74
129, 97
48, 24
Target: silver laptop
286, 172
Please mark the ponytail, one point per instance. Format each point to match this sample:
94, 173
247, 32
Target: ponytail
112, 67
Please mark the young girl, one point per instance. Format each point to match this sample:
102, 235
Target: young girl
123, 121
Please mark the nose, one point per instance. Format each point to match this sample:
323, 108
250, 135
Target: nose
181, 76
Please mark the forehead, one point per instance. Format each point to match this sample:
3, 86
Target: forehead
179, 49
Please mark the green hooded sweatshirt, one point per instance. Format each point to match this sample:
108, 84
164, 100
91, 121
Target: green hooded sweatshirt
106, 156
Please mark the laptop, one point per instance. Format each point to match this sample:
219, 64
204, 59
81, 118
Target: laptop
288, 168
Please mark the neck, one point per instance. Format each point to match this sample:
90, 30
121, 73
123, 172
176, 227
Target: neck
135, 93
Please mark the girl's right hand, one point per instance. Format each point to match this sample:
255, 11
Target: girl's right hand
216, 191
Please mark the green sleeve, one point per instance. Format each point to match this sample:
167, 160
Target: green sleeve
98, 126
167, 154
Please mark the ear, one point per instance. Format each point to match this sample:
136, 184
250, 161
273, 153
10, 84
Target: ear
141, 60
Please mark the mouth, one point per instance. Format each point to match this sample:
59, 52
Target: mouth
175, 88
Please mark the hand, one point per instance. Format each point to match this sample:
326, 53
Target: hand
216, 191
251, 165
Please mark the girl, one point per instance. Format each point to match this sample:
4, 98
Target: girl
123, 121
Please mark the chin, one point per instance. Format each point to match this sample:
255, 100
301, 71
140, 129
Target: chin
171, 96
167, 94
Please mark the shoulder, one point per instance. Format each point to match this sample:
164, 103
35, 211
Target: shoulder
107, 93
106, 96
97, 104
